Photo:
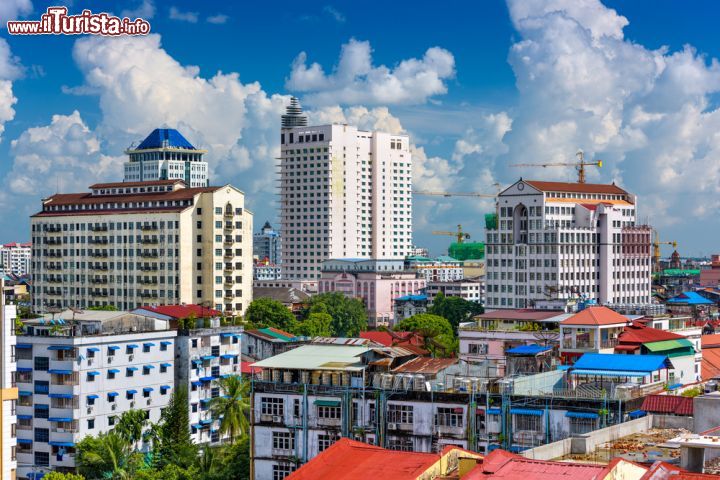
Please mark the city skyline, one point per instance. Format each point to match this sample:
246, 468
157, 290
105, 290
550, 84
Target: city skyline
545, 82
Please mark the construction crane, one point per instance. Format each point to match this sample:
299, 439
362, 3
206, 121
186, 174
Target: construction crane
656, 250
579, 165
459, 194
461, 236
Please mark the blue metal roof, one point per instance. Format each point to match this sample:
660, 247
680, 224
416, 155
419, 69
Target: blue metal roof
526, 411
637, 413
615, 361
165, 137
493, 411
581, 415
415, 298
528, 350
691, 298
608, 373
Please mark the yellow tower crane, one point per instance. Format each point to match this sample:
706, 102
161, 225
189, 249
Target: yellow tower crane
459, 194
656, 250
461, 236
579, 165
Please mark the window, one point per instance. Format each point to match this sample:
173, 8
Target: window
400, 414
328, 412
163, 345
272, 406
111, 374
111, 420
42, 459
91, 423
42, 363
325, 440
404, 444
281, 471
449, 417
42, 411
477, 348
580, 426
283, 441
42, 435
528, 422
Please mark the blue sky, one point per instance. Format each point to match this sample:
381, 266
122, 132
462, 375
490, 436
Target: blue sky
478, 86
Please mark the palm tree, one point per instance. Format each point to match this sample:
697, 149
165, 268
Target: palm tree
233, 407
106, 456
130, 426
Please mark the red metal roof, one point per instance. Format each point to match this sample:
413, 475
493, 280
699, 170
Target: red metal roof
676, 405
246, 368
666, 471
349, 460
184, 311
638, 333
425, 365
596, 316
576, 187
710, 363
710, 340
395, 338
504, 465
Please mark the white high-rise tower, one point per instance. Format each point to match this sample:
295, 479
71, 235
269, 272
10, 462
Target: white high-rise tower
344, 193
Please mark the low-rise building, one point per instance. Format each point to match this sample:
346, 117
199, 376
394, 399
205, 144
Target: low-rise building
295, 300
264, 270
693, 304
710, 277
267, 342
592, 330
78, 372
441, 269
377, 282
15, 258
409, 305
470, 289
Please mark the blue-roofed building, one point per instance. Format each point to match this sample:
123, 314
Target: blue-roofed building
602, 370
692, 303
408, 305
166, 154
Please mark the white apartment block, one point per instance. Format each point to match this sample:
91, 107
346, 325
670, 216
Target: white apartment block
567, 240
204, 355
8, 390
344, 193
470, 289
441, 269
15, 258
76, 377
130, 244
166, 155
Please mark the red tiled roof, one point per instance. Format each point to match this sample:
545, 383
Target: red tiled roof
576, 187
519, 314
425, 365
639, 333
184, 311
668, 404
709, 341
596, 316
395, 338
246, 368
350, 460
710, 363
500, 464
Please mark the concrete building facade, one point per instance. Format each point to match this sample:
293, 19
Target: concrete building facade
139, 243
15, 258
344, 193
8, 390
567, 240
267, 244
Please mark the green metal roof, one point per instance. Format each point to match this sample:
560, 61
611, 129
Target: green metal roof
327, 403
672, 348
678, 272
318, 357
272, 333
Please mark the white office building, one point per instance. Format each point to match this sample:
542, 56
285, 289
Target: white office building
76, 377
15, 258
344, 193
166, 155
8, 389
567, 240
130, 244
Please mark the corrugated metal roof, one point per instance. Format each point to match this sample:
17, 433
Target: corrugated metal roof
674, 404
690, 298
596, 316
711, 363
165, 137
527, 350
318, 357
504, 465
665, 345
638, 333
425, 365
634, 363
608, 373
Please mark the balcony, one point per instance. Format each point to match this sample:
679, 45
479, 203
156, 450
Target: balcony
54, 280
98, 293
53, 267
150, 241
228, 242
99, 281
99, 254
54, 292
98, 241
228, 269
147, 281
149, 254
148, 295
54, 241
53, 229
228, 255
98, 267
54, 254
228, 226
147, 268
149, 228
228, 213
98, 228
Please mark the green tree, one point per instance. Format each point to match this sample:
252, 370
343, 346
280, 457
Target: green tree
131, 425
107, 456
168, 472
236, 461
455, 309
349, 316
266, 312
233, 407
315, 325
174, 443
436, 330
62, 476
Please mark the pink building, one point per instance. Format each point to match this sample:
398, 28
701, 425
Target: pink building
711, 277
377, 282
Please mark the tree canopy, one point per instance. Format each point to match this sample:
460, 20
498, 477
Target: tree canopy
315, 325
266, 312
437, 332
455, 309
349, 316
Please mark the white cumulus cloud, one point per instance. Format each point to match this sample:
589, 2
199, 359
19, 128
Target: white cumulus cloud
177, 14
144, 10
355, 80
13, 9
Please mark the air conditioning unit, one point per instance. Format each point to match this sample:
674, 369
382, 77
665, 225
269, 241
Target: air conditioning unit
266, 418
113, 406
90, 361
132, 404
110, 359
149, 401
392, 426
277, 419
89, 410
131, 357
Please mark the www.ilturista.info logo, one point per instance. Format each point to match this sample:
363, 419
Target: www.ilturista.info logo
56, 21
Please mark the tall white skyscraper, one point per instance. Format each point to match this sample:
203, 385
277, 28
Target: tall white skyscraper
344, 193
556, 240
166, 155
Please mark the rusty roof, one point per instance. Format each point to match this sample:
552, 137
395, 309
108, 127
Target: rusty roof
425, 365
572, 187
